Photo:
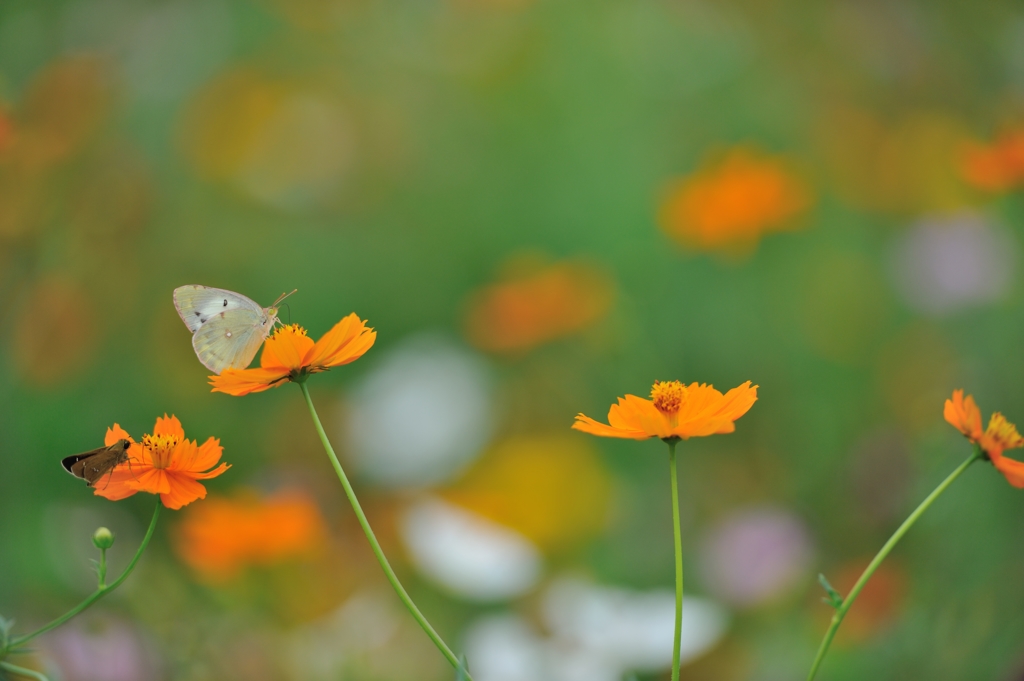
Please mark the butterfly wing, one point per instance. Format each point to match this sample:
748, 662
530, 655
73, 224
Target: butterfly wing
198, 304
230, 339
93, 465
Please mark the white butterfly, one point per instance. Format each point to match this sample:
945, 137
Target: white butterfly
227, 328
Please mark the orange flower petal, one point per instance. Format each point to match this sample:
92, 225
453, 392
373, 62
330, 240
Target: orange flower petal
169, 425
240, 382
285, 350
588, 425
118, 484
207, 455
636, 412
1012, 470
183, 490
152, 480
115, 433
964, 415
212, 473
346, 342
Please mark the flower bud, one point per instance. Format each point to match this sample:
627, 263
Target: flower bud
103, 538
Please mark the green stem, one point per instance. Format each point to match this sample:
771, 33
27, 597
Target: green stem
679, 558
372, 538
101, 571
840, 613
21, 671
100, 592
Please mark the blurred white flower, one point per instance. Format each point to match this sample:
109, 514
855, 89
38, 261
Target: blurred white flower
467, 554
630, 630
421, 415
755, 555
597, 634
945, 264
504, 648
320, 650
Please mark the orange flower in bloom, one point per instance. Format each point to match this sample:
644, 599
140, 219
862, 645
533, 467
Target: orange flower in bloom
539, 306
674, 411
291, 355
996, 167
164, 463
223, 536
733, 202
963, 414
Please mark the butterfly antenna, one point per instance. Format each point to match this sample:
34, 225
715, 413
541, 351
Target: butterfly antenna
282, 297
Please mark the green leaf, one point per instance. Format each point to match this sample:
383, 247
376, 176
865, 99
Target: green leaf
5, 632
834, 599
462, 671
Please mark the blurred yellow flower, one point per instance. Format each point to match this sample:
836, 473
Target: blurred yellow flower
538, 305
995, 167
286, 144
906, 165
731, 202
221, 537
552, 489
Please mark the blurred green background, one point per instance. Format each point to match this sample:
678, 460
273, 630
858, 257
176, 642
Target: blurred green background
511, 192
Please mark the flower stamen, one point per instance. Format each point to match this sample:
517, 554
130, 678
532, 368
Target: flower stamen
668, 396
160, 448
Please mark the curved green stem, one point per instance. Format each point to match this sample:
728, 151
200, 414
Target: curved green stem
372, 538
841, 611
21, 671
100, 592
679, 559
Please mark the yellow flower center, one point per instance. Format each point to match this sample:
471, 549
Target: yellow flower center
290, 328
160, 448
668, 396
1003, 432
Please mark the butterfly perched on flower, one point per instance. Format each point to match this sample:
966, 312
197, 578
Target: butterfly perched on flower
227, 327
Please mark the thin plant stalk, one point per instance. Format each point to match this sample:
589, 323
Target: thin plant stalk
100, 592
679, 558
372, 538
843, 607
22, 671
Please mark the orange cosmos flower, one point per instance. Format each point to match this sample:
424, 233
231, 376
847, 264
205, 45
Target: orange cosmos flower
291, 355
996, 167
963, 414
675, 411
538, 306
164, 463
733, 202
223, 536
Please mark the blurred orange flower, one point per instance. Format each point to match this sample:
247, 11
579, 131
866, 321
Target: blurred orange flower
55, 333
539, 306
6, 129
731, 203
291, 355
963, 414
164, 463
223, 536
675, 411
995, 167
